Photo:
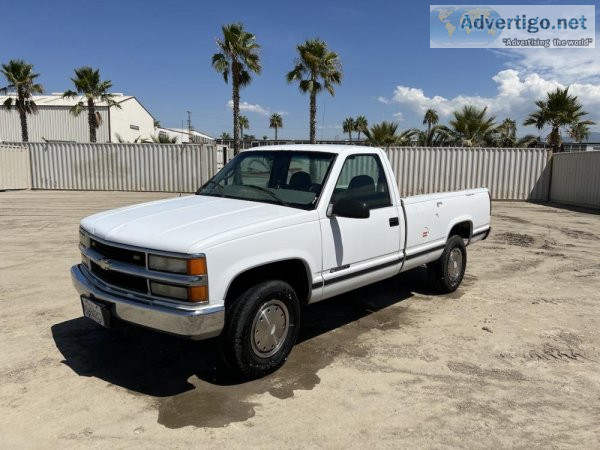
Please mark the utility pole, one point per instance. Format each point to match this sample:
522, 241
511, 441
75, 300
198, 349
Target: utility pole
189, 123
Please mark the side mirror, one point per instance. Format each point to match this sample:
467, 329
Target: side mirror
348, 207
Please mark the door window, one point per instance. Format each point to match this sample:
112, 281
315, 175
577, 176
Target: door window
362, 178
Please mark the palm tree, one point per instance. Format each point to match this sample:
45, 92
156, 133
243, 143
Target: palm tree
471, 127
238, 56
21, 79
360, 125
91, 89
436, 136
506, 136
316, 68
580, 131
349, 126
225, 135
559, 110
431, 118
244, 124
276, 121
384, 134
163, 138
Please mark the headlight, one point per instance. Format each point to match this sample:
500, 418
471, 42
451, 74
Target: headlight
197, 294
168, 290
84, 239
196, 266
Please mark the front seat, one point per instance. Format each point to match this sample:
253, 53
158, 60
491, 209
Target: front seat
300, 181
365, 183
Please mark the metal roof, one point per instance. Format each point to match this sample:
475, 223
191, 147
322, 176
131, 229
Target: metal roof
58, 100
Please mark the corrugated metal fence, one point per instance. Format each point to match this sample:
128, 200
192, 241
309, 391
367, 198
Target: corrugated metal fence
517, 174
121, 167
576, 178
509, 173
14, 167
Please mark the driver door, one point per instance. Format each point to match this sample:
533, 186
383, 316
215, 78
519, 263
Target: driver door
360, 251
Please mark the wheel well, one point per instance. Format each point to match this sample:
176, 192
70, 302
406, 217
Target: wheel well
462, 229
292, 271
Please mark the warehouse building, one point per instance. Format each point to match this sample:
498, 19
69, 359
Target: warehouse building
185, 136
54, 122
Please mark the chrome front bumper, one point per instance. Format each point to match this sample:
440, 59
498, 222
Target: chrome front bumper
193, 321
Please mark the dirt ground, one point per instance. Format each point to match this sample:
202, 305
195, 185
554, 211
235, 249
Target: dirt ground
509, 360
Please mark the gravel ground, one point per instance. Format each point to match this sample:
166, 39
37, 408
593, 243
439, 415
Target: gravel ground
509, 360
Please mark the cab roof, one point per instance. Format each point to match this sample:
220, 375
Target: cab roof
325, 148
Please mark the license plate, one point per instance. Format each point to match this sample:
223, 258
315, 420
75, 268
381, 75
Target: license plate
98, 313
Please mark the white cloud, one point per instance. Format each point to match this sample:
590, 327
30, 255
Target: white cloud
565, 65
514, 98
255, 108
399, 116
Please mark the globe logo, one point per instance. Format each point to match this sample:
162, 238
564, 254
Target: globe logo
446, 26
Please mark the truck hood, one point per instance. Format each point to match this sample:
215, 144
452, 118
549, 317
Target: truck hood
192, 223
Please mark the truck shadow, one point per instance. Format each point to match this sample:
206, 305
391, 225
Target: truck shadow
150, 363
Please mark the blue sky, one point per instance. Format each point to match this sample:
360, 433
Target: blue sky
160, 52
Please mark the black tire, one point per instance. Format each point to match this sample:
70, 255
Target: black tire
447, 272
244, 320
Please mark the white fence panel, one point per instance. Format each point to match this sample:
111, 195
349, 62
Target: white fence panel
576, 178
14, 167
509, 173
122, 167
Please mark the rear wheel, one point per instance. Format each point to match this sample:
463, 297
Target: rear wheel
447, 272
261, 328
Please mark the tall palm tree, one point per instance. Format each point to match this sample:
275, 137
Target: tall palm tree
472, 127
238, 57
21, 79
276, 121
360, 125
385, 134
92, 89
244, 124
349, 126
225, 135
431, 118
315, 69
559, 110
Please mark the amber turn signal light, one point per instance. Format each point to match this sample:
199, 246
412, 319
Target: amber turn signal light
198, 294
196, 266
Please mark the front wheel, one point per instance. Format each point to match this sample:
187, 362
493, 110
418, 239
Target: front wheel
261, 327
448, 271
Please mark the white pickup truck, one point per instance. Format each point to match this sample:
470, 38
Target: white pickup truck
277, 228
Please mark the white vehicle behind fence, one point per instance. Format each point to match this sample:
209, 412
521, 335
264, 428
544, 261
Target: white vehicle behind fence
277, 228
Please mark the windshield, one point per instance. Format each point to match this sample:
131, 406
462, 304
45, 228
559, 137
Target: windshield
289, 178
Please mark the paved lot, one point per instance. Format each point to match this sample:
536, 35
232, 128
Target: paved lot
511, 359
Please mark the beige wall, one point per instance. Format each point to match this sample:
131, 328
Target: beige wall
131, 114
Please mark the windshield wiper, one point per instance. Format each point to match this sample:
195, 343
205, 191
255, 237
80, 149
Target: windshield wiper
220, 190
271, 193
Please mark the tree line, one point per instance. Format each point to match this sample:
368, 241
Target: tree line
473, 127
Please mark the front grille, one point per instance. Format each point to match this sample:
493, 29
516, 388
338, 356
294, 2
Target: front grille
119, 253
121, 280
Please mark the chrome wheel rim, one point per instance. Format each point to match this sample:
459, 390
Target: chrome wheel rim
269, 328
455, 263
